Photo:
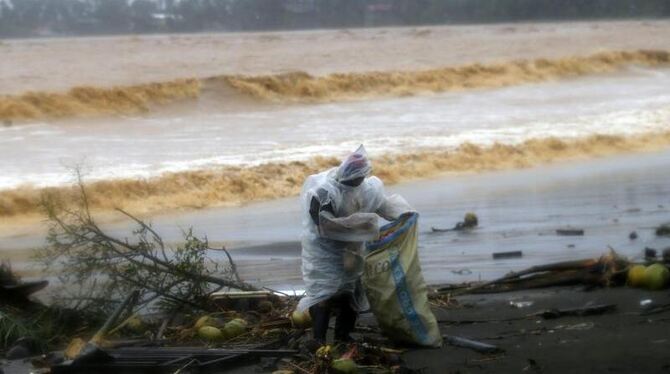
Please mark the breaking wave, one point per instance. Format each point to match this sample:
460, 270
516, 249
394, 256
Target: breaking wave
235, 185
302, 87
93, 101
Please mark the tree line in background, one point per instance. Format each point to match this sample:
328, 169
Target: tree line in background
28, 18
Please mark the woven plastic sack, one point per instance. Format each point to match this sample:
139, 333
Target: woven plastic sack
395, 287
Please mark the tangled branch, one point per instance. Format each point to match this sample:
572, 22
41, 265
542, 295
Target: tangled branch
98, 269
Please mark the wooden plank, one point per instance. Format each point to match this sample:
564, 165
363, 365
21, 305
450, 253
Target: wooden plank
503, 255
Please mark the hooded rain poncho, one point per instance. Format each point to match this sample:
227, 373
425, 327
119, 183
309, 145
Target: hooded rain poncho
347, 216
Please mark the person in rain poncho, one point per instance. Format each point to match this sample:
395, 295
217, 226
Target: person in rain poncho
340, 208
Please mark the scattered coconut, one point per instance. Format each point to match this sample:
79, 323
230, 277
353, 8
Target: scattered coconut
207, 321
210, 333
636, 276
234, 328
135, 324
344, 366
301, 319
656, 277
265, 306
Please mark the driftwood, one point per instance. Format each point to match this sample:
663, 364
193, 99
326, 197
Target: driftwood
663, 230
579, 312
91, 351
478, 321
126, 305
168, 359
656, 310
601, 271
471, 344
503, 255
570, 232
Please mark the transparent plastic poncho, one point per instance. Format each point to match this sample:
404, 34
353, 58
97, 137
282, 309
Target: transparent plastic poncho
332, 251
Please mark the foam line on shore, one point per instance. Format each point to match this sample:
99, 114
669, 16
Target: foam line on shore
229, 186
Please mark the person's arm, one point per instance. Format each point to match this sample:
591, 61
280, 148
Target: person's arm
319, 202
357, 227
354, 228
393, 207
389, 207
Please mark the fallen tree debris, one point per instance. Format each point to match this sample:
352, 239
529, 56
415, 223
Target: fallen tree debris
91, 350
102, 269
243, 300
607, 270
168, 359
579, 312
13, 290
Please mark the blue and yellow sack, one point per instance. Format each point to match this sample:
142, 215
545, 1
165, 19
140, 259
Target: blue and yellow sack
395, 287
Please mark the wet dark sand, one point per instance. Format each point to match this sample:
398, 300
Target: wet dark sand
622, 341
518, 210
619, 342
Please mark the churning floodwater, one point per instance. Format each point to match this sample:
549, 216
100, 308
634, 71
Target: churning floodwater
41, 154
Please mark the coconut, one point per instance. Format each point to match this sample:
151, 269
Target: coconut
265, 306
344, 366
301, 319
210, 333
241, 322
656, 277
273, 332
74, 348
470, 220
636, 276
234, 328
134, 324
206, 321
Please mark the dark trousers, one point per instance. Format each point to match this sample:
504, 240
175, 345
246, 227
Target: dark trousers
344, 322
